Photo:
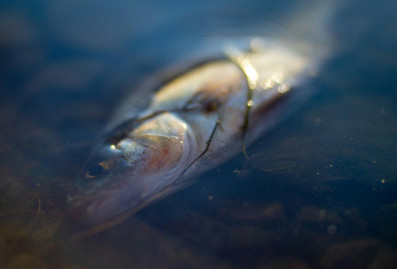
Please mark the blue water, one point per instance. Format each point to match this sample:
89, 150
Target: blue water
319, 190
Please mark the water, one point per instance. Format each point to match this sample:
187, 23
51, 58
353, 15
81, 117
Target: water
319, 191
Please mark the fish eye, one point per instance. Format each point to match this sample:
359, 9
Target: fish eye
94, 171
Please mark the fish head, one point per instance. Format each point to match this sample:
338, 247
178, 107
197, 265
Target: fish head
95, 196
126, 176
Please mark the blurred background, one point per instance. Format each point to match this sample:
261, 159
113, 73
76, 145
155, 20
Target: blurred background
320, 190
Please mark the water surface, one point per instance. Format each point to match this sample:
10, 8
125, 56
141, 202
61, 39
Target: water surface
319, 191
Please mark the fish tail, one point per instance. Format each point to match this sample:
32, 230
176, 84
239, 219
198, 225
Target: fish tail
309, 27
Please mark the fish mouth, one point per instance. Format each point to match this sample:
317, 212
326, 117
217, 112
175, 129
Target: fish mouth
111, 207
105, 205
99, 208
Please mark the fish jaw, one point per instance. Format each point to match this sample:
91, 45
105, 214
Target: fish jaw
141, 166
108, 204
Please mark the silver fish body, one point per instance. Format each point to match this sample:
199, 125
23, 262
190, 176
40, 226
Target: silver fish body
194, 122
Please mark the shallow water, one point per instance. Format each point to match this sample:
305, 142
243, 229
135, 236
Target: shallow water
319, 191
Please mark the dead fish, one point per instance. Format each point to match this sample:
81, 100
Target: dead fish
196, 120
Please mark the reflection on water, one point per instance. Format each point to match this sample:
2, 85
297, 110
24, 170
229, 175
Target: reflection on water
319, 190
